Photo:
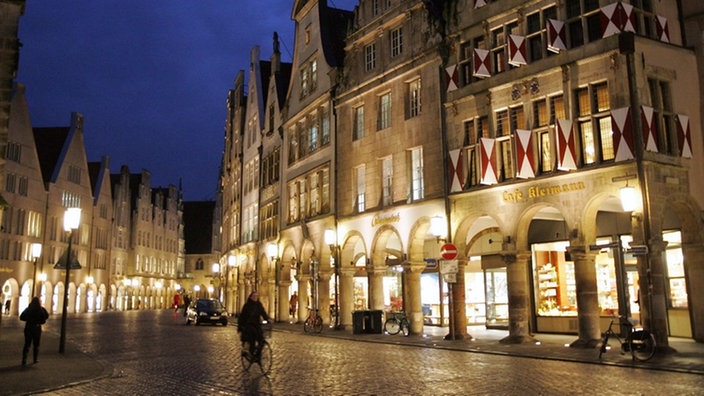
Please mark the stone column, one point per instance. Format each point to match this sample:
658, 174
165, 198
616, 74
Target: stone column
346, 295
376, 286
694, 273
303, 281
459, 311
588, 312
324, 295
411, 294
517, 276
282, 290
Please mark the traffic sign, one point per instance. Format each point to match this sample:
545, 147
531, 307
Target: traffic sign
448, 251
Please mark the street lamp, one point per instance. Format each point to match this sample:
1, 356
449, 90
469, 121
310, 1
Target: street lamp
330, 237
272, 250
36, 250
72, 219
231, 263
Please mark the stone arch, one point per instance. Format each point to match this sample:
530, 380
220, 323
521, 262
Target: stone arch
353, 248
417, 237
381, 251
11, 291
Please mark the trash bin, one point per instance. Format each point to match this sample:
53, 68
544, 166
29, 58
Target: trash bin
375, 323
358, 322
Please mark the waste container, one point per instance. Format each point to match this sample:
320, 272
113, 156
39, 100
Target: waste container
358, 322
375, 324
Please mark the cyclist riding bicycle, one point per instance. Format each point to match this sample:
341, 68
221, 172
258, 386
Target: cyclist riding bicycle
249, 323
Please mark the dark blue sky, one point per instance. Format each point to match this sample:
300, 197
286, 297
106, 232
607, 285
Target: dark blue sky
150, 77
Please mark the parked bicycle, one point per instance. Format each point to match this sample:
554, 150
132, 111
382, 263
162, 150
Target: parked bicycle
262, 354
397, 322
313, 323
638, 341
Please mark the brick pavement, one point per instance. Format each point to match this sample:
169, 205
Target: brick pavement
56, 371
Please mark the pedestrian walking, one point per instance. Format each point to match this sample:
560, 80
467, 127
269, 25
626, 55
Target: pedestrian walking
186, 303
293, 304
7, 306
34, 317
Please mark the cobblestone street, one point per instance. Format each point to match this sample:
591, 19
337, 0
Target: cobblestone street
155, 353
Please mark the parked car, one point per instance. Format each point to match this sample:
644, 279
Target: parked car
206, 310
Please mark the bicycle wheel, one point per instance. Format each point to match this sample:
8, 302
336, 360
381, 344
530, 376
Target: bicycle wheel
245, 357
265, 358
318, 324
392, 326
604, 345
308, 325
642, 344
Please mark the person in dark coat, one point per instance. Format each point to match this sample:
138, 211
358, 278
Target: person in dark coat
186, 303
249, 323
34, 317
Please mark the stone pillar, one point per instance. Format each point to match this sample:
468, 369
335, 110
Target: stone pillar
324, 295
517, 276
282, 290
303, 281
653, 296
376, 286
459, 311
411, 294
588, 312
694, 272
346, 295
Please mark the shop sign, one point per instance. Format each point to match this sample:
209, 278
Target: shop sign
385, 219
430, 263
638, 250
518, 195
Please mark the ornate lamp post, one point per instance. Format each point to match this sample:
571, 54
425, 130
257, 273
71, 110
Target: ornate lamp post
36, 251
272, 250
330, 237
231, 263
72, 219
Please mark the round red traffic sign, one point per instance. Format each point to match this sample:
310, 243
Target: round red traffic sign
448, 251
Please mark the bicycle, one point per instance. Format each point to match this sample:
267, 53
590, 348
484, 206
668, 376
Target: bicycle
313, 323
262, 353
397, 322
638, 341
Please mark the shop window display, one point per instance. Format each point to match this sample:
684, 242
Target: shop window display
555, 293
677, 289
360, 293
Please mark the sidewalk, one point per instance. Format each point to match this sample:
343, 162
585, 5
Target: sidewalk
689, 356
53, 371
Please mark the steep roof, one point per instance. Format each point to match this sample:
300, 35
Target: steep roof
334, 24
281, 81
198, 226
50, 143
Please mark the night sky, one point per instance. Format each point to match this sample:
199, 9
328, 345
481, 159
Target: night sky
150, 77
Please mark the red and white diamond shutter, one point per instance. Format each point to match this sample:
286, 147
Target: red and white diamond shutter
458, 169
487, 163
650, 137
622, 133
480, 63
566, 158
524, 154
616, 18
662, 29
452, 78
556, 35
516, 50
684, 136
